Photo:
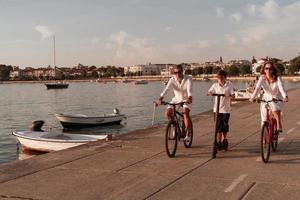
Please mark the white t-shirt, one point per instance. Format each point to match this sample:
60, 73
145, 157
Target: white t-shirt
225, 102
181, 90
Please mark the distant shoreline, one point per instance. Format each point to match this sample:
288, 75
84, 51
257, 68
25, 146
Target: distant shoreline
148, 78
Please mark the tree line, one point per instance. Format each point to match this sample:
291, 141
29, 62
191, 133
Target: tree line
108, 71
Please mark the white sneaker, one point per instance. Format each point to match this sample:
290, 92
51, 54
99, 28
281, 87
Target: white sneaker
187, 138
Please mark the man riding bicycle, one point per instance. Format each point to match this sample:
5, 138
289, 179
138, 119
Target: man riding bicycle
182, 87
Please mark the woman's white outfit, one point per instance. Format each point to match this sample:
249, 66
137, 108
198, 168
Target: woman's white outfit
272, 90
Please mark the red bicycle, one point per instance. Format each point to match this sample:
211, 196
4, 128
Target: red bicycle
269, 135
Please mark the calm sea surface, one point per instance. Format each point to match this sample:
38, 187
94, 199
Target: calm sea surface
20, 104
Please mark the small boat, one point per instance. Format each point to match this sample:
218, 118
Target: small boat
126, 81
206, 78
57, 85
243, 94
82, 121
141, 82
49, 141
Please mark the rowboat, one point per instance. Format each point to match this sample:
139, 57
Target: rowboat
141, 82
126, 81
50, 141
82, 121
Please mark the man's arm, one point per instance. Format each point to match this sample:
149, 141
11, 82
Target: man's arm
167, 88
189, 89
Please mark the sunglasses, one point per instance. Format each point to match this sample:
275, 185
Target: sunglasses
269, 68
177, 72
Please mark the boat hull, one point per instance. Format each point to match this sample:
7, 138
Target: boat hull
57, 85
71, 122
48, 142
141, 82
69, 125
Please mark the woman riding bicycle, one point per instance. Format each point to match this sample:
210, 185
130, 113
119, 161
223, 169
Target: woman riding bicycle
272, 86
182, 87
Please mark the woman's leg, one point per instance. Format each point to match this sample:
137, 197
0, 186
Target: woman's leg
277, 116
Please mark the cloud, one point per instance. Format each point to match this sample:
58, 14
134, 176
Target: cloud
220, 11
203, 44
168, 29
44, 31
128, 49
251, 9
271, 31
269, 10
254, 34
119, 38
95, 41
230, 39
236, 17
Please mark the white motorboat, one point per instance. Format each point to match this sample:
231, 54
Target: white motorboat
49, 141
81, 121
243, 94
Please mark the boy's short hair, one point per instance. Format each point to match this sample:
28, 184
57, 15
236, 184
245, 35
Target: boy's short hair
222, 73
179, 67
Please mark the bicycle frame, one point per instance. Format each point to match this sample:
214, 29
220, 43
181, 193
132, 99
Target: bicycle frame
270, 121
176, 116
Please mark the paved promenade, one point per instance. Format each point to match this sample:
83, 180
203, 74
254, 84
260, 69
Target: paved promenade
135, 166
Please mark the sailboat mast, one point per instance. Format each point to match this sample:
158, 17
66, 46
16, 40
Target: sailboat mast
54, 58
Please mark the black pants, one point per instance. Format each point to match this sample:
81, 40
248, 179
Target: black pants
222, 123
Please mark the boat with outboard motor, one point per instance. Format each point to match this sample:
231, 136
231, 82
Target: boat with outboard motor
50, 141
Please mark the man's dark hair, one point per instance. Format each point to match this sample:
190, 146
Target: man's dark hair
222, 73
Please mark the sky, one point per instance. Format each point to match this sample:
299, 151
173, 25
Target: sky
128, 32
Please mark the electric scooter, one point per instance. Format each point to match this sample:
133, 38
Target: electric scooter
215, 148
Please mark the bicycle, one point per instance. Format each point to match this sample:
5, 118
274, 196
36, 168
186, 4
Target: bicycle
175, 130
268, 137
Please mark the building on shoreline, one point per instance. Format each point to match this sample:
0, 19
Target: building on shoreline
234, 67
148, 69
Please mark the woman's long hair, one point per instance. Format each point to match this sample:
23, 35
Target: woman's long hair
274, 71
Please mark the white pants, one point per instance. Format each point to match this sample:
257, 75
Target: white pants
273, 106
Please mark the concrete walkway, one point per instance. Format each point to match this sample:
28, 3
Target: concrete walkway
135, 166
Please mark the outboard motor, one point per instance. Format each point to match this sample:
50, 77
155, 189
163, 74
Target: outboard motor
116, 111
37, 125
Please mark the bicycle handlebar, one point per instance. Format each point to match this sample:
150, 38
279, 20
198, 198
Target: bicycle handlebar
269, 101
219, 95
173, 104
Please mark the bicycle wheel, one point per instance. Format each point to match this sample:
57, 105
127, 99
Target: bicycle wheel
171, 139
188, 143
265, 144
274, 138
